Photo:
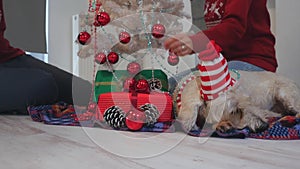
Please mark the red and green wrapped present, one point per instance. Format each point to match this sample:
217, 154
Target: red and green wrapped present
106, 81
135, 101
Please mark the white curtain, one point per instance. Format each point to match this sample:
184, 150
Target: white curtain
26, 24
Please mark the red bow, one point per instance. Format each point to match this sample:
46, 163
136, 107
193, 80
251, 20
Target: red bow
133, 86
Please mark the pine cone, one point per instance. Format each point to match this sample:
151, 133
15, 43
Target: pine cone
115, 117
151, 113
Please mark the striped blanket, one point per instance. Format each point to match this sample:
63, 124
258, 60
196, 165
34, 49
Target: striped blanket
287, 128
69, 115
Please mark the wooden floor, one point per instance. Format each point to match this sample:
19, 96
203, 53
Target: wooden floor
25, 144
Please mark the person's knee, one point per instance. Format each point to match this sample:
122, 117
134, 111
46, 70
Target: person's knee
245, 66
26, 87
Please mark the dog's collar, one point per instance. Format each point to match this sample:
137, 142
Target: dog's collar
177, 95
181, 86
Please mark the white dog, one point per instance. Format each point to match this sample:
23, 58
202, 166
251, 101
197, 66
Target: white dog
249, 102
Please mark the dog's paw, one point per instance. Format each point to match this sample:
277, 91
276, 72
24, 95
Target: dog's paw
187, 121
258, 126
187, 117
224, 126
187, 125
262, 127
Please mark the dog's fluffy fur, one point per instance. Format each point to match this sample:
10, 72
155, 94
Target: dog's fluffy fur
255, 97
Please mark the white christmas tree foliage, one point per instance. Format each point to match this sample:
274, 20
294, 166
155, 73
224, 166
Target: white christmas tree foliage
129, 28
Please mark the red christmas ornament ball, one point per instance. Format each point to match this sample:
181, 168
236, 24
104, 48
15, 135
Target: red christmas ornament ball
173, 59
135, 120
100, 58
113, 57
129, 84
84, 37
124, 37
158, 31
133, 68
103, 18
142, 86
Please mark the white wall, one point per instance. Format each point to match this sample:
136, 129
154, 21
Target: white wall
60, 30
288, 38
271, 6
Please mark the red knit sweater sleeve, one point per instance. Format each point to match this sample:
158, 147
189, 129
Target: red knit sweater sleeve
229, 30
6, 50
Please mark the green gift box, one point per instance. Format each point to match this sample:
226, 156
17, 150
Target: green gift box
106, 81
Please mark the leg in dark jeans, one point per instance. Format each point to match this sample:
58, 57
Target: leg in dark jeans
43, 84
21, 87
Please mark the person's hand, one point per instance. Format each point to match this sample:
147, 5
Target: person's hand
180, 45
211, 52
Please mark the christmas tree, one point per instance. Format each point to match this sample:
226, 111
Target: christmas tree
126, 25
130, 33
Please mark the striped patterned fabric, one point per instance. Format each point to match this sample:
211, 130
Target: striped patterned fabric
285, 128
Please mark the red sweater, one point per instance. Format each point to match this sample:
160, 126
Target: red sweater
242, 29
6, 50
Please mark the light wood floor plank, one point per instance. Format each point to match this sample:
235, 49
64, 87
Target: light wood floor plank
25, 144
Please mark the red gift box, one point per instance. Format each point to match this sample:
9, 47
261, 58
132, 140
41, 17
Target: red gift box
128, 101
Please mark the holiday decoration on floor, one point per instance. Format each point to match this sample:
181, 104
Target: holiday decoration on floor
115, 117
135, 120
151, 114
286, 128
139, 110
131, 67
